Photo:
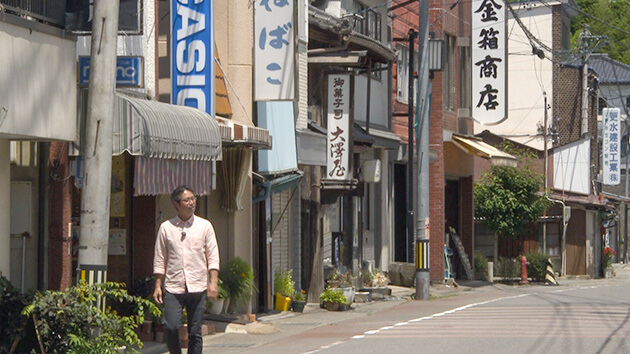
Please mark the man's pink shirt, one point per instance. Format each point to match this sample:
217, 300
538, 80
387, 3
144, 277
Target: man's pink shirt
186, 260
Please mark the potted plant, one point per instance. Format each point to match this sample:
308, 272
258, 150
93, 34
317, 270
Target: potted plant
215, 306
346, 285
334, 299
375, 283
298, 301
283, 287
238, 279
333, 278
607, 256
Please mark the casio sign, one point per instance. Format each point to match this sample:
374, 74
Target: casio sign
192, 66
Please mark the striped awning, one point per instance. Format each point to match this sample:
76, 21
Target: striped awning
234, 134
154, 176
479, 148
159, 130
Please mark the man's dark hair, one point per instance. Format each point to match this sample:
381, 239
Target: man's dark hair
176, 196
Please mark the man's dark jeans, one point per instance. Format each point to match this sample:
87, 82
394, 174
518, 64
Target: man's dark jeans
195, 304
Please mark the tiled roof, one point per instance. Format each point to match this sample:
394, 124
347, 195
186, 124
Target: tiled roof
609, 71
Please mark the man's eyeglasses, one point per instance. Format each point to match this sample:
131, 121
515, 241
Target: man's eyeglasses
187, 200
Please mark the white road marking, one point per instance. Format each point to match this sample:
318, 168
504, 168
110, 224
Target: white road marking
440, 314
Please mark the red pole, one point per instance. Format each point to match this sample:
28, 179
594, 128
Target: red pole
524, 280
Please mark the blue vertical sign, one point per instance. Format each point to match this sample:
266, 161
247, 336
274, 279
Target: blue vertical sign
192, 54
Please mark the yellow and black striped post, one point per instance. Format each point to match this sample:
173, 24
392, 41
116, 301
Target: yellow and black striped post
550, 275
422, 255
93, 274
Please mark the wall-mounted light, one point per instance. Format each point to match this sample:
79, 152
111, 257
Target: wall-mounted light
436, 54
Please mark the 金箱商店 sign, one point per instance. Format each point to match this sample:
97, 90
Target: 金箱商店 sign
488, 61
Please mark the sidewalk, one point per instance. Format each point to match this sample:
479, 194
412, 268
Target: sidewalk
275, 325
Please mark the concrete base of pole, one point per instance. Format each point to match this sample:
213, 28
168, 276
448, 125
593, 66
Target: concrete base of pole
423, 283
491, 272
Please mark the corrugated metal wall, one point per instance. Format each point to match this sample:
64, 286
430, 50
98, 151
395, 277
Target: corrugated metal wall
286, 245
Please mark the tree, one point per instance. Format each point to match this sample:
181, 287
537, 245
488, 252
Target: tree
609, 18
507, 199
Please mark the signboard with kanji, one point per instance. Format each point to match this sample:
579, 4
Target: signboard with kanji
489, 47
611, 146
338, 141
274, 30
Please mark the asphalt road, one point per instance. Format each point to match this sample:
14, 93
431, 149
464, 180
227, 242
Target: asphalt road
592, 318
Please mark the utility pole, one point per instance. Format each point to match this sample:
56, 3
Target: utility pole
544, 224
423, 279
97, 153
411, 237
584, 37
587, 49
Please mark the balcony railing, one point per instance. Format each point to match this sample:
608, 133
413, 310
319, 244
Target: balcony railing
48, 11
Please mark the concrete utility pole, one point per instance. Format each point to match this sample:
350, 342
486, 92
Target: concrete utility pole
423, 279
411, 223
97, 154
584, 36
587, 49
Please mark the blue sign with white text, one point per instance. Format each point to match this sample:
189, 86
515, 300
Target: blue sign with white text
129, 71
192, 54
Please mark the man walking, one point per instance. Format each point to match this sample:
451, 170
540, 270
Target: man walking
186, 252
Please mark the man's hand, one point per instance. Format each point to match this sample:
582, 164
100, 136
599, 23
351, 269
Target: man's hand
213, 287
157, 292
213, 291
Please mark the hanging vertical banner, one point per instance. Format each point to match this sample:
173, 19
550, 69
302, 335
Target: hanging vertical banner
611, 146
274, 50
338, 114
489, 48
192, 54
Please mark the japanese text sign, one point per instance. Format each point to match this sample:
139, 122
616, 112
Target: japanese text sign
274, 61
488, 61
338, 140
192, 54
611, 146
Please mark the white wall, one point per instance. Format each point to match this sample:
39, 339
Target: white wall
37, 84
571, 166
528, 77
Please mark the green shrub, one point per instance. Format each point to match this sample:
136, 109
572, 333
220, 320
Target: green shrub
480, 263
537, 265
507, 268
299, 295
70, 321
333, 295
12, 323
238, 279
223, 294
283, 283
